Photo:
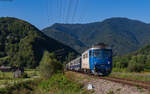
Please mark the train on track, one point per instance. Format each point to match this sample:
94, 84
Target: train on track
96, 60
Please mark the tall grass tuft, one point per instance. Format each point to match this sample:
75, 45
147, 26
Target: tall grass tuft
59, 84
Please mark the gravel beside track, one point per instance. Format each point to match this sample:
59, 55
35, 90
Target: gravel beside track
102, 86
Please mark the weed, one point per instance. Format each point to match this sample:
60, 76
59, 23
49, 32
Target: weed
119, 89
140, 89
59, 84
111, 92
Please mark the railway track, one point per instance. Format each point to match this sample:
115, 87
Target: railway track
142, 84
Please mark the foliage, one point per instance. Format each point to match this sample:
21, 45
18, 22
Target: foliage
70, 57
24, 75
22, 44
115, 69
49, 65
135, 62
26, 87
132, 76
59, 84
133, 67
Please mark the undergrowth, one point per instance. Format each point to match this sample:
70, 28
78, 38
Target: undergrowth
60, 84
57, 84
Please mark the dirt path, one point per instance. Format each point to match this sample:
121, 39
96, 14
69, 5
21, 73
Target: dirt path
107, 87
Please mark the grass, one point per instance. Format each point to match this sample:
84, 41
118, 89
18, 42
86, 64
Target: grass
32, 72
119, 70
60, 84
57, 84
10, 85
4, 58
6, 75
132, 76
9, 75
6, 78
26, 87
110, 92
140, 89
119, 89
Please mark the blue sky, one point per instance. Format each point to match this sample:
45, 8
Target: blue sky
43, 13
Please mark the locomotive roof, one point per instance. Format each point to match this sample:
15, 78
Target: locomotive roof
100, 48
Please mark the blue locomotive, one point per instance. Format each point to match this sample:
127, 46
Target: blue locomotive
95, 60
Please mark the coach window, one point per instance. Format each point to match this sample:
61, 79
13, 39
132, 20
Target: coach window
86, 55
83, 56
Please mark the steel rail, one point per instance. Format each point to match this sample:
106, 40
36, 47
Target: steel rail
130, 82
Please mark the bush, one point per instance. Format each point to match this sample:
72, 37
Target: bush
26, 87
119, 69
24, 75
60, 84
135, 67
49, 65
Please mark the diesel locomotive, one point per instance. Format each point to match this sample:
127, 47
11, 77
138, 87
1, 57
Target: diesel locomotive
96, 60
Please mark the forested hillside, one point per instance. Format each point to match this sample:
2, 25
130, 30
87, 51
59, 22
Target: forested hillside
22, 44
137, 61
122, 34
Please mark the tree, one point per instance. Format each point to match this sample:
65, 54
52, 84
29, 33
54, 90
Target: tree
116, 61
71, 56
49, 65
141, 59
134, 66
124, 62
147, 65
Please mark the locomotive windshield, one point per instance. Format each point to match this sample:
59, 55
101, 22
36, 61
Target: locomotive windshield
102, 53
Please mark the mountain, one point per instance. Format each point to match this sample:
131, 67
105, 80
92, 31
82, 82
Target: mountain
22, 44
122, 34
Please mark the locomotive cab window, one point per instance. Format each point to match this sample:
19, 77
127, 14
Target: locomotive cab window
102, 53
97, 53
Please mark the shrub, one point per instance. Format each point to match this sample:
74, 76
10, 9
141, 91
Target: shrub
60, 84
135, 67
49, 65
26, 87
24, 75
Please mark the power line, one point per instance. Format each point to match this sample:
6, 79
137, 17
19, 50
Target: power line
68, 11
57, 8
75, 9
84, 13
48, 10
60, 10
63, 10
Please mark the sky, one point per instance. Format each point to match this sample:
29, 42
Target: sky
44, 13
